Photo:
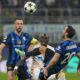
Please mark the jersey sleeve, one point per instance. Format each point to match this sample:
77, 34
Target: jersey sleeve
30, 39
34, 52
58, 49
6, 39
34, 41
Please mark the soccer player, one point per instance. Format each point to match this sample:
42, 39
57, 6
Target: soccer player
38, 62
20, 40
46, 51
64, 52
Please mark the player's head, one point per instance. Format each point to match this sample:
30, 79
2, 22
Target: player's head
19, 24
69, 32
43, 38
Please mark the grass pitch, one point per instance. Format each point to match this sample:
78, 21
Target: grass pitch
69, 76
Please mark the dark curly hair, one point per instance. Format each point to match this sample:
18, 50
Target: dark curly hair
71, 31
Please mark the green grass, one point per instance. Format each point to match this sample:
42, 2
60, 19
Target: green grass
69, 76
72, 76
3, 76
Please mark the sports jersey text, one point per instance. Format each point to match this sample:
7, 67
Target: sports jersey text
71, 47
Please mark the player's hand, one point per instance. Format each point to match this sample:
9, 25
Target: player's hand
45, 72
15, 70
0, 57
19, 52
0, 54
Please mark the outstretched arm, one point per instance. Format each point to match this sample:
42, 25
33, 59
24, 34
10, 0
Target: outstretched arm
34, 52
53, 61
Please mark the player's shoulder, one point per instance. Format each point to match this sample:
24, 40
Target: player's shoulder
8, 35
11, 34
36, 46
26, 34
51, 48
67, 42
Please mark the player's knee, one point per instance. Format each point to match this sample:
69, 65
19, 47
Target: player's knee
61, 76
10, 75
35, 73
10, 78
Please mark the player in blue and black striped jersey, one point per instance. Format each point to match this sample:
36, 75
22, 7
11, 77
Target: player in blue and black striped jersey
63, 53
20, 40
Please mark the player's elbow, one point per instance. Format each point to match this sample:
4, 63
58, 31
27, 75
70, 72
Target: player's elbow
54, 61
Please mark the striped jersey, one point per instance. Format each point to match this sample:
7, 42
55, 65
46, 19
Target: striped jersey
67, 50
13, 41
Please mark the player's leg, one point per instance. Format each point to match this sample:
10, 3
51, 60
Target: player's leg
35, 73
41, 75
10, 75
10, 72
52, 77
60, 76
23, 73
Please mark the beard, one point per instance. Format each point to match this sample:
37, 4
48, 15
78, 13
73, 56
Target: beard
19, 30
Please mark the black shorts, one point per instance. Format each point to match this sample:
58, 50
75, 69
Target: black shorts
10, 67
23, 72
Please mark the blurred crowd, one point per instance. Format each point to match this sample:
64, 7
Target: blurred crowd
53, 7
48, 3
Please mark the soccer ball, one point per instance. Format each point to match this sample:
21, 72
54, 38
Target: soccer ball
30, 7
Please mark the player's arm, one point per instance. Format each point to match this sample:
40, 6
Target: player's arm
34, 52
31, 40
2, 45
1, 48
32, 44
5, 42
53, 61
34, 41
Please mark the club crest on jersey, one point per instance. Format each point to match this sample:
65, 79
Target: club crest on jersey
19, 41
24, 38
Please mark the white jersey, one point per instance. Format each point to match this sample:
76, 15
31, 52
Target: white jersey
38, 62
